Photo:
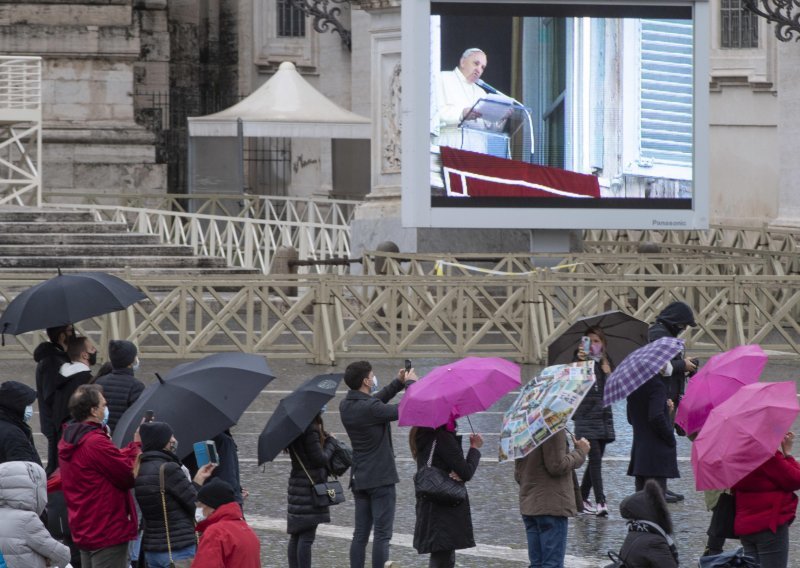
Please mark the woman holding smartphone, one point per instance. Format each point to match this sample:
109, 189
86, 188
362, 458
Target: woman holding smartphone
594, 421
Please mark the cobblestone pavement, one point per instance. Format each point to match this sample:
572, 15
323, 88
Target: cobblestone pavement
493, 493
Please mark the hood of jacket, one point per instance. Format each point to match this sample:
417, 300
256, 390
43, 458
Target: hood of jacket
47, 349
69, 369
15, 396
675, 315
647, 505
75, 433
23, 485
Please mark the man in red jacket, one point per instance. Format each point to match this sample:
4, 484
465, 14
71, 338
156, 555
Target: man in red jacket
226, 540
96, 478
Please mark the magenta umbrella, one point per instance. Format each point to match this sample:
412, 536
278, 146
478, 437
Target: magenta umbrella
716, 382
467, 386
742, 433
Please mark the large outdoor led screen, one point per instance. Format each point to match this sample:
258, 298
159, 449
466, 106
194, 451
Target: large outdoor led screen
555, 114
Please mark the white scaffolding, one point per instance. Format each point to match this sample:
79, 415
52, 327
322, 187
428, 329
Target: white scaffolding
20, 130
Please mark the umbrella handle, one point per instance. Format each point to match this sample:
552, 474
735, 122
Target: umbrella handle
470, 424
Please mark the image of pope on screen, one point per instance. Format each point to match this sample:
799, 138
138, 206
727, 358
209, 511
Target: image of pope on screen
585, 111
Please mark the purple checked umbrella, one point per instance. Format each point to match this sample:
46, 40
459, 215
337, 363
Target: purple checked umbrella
458, 389
639, 367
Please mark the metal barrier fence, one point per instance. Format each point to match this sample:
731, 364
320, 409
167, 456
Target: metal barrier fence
325, 318
316, 228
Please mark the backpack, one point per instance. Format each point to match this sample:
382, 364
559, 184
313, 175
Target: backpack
731, 559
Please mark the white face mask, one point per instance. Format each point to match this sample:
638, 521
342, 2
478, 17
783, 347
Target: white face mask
105, 415
135, 365
28, 413
374, 387
199, 517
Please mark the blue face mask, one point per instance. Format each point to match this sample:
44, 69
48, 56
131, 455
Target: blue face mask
105, 415
28, 413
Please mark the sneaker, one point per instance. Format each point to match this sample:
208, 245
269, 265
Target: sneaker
602, 510
588, 508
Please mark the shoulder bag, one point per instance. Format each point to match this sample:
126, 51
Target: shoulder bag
342, 457
323, 494
436, 485
186, 563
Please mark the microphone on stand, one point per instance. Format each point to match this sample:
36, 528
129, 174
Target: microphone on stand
487, 87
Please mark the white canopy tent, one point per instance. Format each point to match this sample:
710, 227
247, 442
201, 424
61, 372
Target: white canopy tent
286, 106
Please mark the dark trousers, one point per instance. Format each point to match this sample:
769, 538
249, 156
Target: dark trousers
641, 479
769, 549
300, 548
443, 559
593, 475
52, 451
374, 508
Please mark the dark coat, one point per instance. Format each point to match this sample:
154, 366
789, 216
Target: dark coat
593, 420
366, 419
653, 452
71, 376
647, 549
668, 324
49, 357
16, 437
439, 527
180, 496
302, 514
121, 390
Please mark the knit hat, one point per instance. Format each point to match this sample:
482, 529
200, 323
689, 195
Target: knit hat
16, 396
121, 353
215, 492
155, 435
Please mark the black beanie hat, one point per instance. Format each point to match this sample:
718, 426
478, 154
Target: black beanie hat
16, 396
121, 353
215, 492
155, 435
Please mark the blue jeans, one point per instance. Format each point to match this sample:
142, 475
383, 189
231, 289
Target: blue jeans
161, 559
374, 507
769, 549
547, 540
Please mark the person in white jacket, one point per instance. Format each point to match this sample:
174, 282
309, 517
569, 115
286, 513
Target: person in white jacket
24, 541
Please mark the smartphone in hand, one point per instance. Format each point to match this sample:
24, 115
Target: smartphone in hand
586, 342
149, 416
407, 365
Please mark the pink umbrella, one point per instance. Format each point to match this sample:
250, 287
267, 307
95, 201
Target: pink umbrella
458, 389
742, 433
716, 382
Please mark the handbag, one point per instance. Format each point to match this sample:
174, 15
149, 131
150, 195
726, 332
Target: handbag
437, 486
730, 559
723, 516
326, 493
185, 563
341, 459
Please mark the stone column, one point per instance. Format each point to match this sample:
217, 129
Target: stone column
788, 134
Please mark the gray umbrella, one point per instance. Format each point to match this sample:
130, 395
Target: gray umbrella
624, 334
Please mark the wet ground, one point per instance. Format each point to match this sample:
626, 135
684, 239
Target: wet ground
493, 493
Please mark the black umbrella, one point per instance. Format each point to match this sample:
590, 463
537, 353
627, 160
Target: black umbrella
624, 333
67, 298
294, 414
199, 399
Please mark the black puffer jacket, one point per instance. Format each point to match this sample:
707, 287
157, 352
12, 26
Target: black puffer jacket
593, 420
71, 376
181, 496
302, 514
49, 357
121, 390
647, 548
16, 437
